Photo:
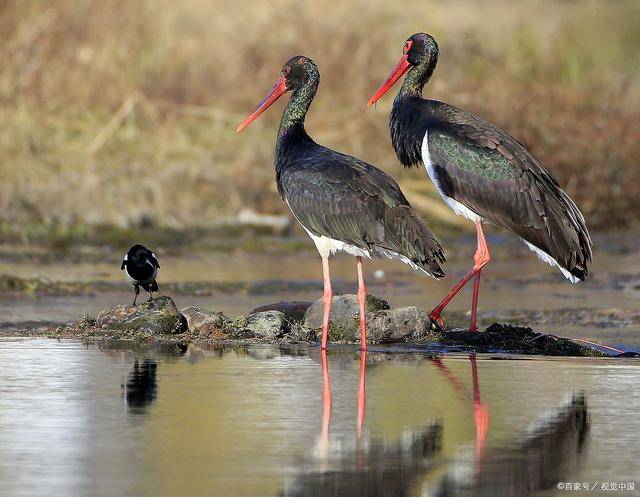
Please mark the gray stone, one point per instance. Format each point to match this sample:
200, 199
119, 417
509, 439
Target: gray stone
343, 317
206, 323
159, 316
266, 324
398, 325
294, 311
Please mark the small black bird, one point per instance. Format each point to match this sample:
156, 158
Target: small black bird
141, 266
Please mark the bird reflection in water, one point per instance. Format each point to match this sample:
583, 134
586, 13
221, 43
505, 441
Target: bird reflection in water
480, 409
362, 393
371, 467
326, 398
141, 387
379, 468
536, 463
549, 453
326, 402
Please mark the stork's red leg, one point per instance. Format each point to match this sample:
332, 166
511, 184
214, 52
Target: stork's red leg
435, 314
474, 303
327, 298
362, 305
481, 259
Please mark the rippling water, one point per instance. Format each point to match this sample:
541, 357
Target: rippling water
268, 421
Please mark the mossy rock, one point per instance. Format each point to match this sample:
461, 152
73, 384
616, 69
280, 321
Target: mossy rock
205, 323
156, 317
160, 320
343, 317
294, 311
516, 339
405, 324
266, 324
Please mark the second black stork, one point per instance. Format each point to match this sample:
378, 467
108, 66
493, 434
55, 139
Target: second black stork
482, 173
343, 203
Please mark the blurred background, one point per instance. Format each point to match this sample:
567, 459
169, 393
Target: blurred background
120, 113
117, 126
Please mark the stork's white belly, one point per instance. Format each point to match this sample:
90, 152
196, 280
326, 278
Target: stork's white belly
327, 246
457, 207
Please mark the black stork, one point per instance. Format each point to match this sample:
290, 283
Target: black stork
482, 173
343, 203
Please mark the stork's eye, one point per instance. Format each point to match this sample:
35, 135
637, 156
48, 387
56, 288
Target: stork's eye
407, 47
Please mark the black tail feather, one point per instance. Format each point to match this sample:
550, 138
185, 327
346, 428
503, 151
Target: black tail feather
408, 235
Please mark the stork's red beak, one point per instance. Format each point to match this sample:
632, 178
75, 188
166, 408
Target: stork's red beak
395, 75
274, 93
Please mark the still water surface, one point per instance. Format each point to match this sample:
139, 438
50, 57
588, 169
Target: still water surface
78, 420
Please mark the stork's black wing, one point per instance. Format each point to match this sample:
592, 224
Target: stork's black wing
338, 196
495, 176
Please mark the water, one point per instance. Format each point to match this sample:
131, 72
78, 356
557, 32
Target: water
99, 420
80, 420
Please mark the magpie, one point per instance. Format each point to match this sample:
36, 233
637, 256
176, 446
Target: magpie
141, 266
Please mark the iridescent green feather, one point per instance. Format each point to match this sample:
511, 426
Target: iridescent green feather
483, 161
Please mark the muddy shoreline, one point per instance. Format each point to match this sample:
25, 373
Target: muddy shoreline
160, 322
517, 291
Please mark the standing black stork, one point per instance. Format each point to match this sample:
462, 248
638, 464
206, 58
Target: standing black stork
482, 173
342, 203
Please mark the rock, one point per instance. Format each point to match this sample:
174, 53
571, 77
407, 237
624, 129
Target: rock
266, 324
299, 333
281, 323
517, 339
160, 316
344, 316
398, 325
294, 311
206, 323
627, 354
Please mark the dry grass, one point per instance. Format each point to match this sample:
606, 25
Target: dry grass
120, 112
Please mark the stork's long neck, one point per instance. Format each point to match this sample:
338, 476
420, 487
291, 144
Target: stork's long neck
418, 76
296, 110
406, 123
291, 130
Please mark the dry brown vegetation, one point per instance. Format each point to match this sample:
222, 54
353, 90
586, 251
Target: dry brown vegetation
119, 111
